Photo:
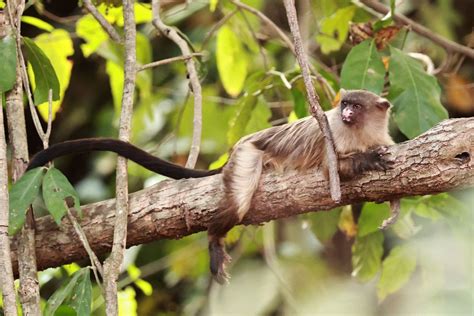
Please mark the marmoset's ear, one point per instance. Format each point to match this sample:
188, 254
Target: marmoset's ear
383, 104
342, 92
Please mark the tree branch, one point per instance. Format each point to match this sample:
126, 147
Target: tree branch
450, 46
440, 160
173, 35
313, 98
112, 264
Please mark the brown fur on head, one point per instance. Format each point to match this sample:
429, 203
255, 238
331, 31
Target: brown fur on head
358, 105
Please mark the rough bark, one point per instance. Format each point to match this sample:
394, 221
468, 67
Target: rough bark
439, 160
114, 261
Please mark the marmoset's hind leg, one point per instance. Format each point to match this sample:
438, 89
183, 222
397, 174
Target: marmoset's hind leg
240, 178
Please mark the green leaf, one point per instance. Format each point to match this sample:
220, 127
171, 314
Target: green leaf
325, 224
231, 61
259, 118
334, 29
242, 116
22, 194
414, 94
367, 254
396, 270
56, 189
45, 77
363, 68
42, 25
405, 227
57, 46
75, 292
81, 295
371, 218
299, 99
8, 63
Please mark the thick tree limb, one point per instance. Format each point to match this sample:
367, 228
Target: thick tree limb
440, 160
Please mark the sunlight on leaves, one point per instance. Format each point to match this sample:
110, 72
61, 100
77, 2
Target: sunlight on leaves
42, 25
58, 47
45, 77
231, 61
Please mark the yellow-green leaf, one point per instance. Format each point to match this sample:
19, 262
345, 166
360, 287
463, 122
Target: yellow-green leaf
334, 29
396, 270
41, 24
367, 254
231, 61
92, 33
57, 46
45, 77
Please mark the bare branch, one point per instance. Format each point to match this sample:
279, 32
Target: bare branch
450, 46
114, 261
313, 99
440, 160
108, 28
168, 61
6, 277
173, 35
95, 263
29, 285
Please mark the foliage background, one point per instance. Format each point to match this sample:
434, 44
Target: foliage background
324, 263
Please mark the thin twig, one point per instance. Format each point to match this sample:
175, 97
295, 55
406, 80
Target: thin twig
96, 265
324, 83
216, 27
261, 49
47, 134
114, 261
448, 45
313, 98
267, 21
168, 61
108, 28
173, 35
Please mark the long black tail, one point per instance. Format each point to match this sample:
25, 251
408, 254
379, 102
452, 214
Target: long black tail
123, 149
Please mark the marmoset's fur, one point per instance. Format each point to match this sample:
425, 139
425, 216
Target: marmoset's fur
359, 125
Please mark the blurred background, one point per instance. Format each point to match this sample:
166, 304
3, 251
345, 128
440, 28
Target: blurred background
322, 263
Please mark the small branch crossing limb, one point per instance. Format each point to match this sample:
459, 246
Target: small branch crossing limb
315, 108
